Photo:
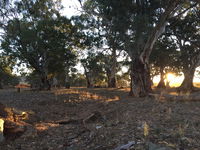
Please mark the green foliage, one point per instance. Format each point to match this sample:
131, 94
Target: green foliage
93, 68
41, 38
78, 80
125, 23
123, 80
6, 76
164, 57
186, 34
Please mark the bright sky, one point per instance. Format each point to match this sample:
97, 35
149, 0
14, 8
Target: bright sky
71, 7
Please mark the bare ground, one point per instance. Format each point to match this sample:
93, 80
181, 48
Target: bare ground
62, 120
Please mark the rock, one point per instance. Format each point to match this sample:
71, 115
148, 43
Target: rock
126, 146
1, 130
98, 127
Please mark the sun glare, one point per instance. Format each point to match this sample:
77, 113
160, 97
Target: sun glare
170, 77
174, 81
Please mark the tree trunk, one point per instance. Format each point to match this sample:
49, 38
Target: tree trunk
112, 73
187, 84
161, 84
112, 81
45, 84
1, 84
140, 79
67, 80
90, 80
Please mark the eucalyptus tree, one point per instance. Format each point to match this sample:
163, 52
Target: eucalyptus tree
163, 58
39, 37
93, 68
63, 65
186, 34
139, 24
107, 35
6, 68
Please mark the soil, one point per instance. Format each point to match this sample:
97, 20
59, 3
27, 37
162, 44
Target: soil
100, 119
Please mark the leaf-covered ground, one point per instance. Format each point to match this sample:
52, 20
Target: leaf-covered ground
102, 119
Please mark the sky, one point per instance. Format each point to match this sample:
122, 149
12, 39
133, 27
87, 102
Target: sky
71, 7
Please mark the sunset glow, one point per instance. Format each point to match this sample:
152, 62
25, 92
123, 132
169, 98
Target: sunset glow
174, 81
170, 77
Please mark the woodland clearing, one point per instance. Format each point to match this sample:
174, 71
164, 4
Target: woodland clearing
100, 119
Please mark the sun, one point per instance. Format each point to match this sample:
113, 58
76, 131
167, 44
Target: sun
174, 80
170, 77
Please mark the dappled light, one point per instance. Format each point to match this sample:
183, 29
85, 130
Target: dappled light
84, 95
78, 112
45, 126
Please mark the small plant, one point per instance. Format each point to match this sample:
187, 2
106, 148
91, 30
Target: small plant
146, 129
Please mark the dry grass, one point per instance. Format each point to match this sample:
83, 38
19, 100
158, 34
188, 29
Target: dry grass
174, 124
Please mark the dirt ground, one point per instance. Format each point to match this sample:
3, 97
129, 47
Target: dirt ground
102, 119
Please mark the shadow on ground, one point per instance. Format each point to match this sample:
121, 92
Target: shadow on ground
59, 120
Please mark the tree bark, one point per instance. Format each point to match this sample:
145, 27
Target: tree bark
187, 84
1, 84
112, 81
67, 79
112, 71
90, 80
161, 84
45, 84
140, 79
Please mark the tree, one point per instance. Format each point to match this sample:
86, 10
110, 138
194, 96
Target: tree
63, 65
106, 30
93, 69
163, 58
185, 32
40, 37
78, 80
6, 67
140, 23
106, 60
